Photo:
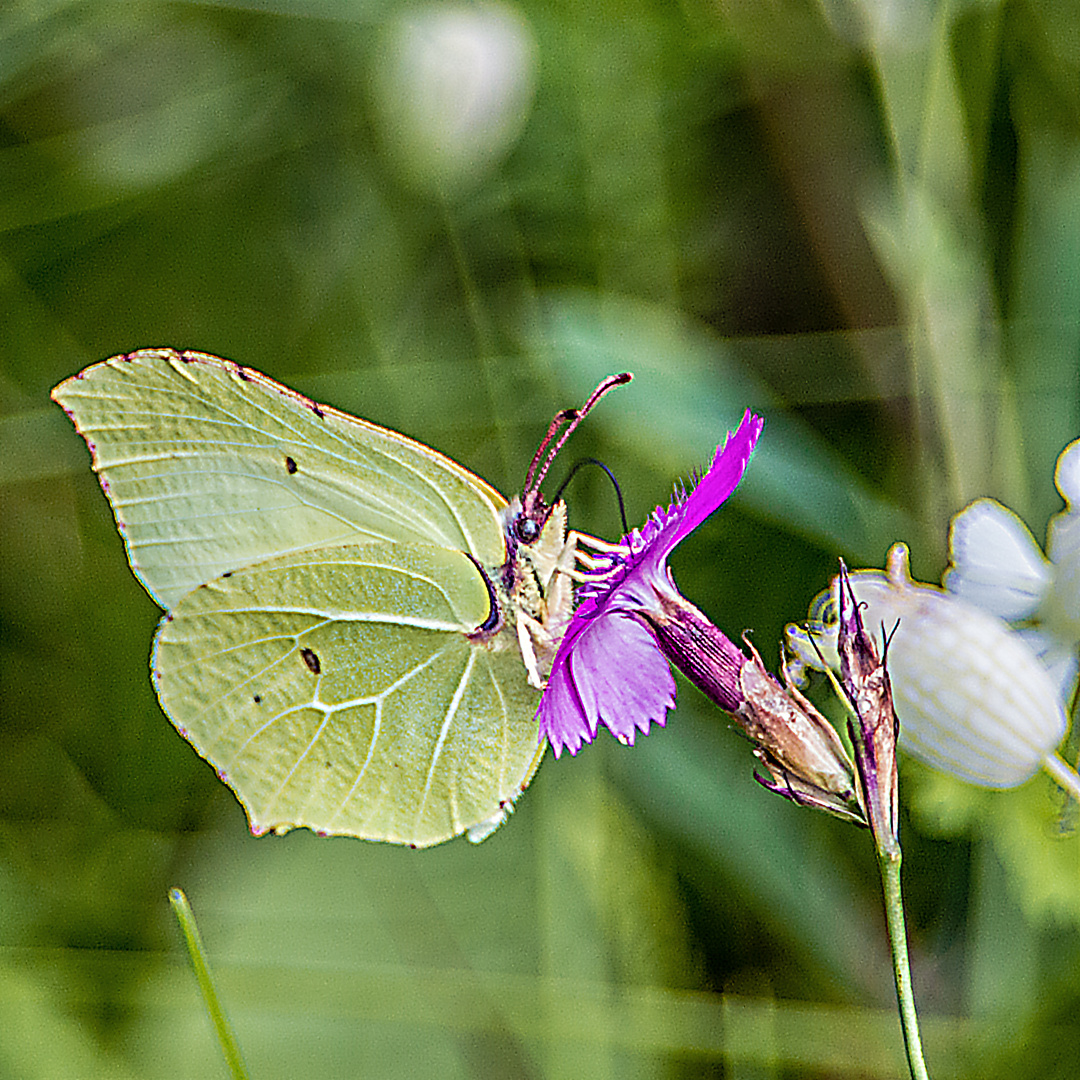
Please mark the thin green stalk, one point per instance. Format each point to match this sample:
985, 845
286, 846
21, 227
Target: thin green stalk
229, 1045
1064, 775
889, 862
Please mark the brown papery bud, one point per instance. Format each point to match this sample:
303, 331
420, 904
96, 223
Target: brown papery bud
799, 747
804, 755
865, 680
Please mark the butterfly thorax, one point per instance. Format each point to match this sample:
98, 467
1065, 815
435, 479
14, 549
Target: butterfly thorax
534, 597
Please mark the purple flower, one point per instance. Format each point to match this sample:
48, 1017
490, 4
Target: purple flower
610, 668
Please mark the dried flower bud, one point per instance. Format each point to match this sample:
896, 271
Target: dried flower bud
865, 680
798, 746
804, 755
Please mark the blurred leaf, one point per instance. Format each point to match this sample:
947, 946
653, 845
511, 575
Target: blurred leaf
696, 781
306, 1019
690, 390
35, 446
1044, 339
1040, 860
43, 1041
969, 427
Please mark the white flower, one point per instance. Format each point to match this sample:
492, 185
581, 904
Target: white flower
971, 696
996, 563
452, 87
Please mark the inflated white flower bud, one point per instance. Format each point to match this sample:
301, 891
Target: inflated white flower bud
971, 696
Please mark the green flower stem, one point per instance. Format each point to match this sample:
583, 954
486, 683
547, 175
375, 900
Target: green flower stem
229, 1046
889, 862
1064, 776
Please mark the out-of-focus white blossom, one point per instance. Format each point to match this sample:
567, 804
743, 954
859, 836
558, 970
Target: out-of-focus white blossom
971, 695
996, 563
452, 85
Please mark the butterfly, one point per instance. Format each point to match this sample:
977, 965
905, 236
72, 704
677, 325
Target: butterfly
356, 628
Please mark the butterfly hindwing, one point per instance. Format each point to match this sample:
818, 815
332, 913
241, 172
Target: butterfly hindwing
340, 689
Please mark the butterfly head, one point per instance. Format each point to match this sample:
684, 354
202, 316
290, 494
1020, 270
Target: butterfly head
527, 517
531, 529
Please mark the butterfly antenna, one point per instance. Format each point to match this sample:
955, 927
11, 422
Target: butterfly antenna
570, 417
611, 477
560, 419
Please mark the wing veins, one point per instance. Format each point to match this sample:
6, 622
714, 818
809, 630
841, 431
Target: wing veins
504, 741
451, 713
378, 700
421, 451
399, 511
299, 761
338, 438
351, 455
346, 617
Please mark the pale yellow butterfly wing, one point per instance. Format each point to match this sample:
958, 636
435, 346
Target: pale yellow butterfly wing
339, 689
332, 646
210, 466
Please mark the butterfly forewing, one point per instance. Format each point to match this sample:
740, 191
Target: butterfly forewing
211, 467
341, 690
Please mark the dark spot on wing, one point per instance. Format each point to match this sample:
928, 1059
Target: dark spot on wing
257, 698
290, 465
311, 660
228, 573
316, 410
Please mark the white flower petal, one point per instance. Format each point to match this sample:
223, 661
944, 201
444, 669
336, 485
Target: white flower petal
1059, 658
452, 86
995, 561
1067, 474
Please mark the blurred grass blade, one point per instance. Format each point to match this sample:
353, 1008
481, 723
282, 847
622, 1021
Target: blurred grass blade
36, 445
229, 1046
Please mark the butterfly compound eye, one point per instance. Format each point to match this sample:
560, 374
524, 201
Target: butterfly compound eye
527, 530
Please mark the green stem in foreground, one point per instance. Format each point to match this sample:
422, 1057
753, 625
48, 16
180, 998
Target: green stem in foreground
229, 1046
889, 862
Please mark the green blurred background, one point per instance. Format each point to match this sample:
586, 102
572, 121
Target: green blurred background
861, 219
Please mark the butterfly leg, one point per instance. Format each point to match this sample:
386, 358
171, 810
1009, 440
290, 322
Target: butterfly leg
540, 633
530, 634
598, 566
